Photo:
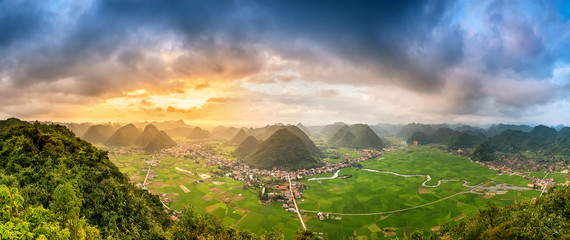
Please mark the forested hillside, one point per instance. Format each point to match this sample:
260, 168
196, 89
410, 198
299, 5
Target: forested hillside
541, 140
547, 217
447, 136
283, 149
54, 185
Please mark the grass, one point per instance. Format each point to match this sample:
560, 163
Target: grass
369, 192
352, 153
395, 140
364, 192
221, 196
436, 163
558, 177
224, 150
512, 179
133, 165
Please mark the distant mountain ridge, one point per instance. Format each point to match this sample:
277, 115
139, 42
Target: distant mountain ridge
238, 137
452, 138
497, 129
124, 136
199, 133
225, 132
541, 140
98, 133
359, 136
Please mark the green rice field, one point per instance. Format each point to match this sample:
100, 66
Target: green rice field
390, 206
223, 197
377, 194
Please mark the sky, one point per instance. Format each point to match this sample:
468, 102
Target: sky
248, 62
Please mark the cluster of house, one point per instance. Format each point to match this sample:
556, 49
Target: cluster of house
185, 150
150, 174
516, 165
544, 183
286, 195
124, 150
167, 201
322, 216
242, 172
536, 182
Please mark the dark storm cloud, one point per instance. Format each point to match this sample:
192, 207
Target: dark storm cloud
458, 51
19, 20
391, 37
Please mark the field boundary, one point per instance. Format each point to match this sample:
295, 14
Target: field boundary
403, 209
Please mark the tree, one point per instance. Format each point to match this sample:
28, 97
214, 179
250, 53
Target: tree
547, 217
17, 222
194, 225
305, 235
417, 235
66, 204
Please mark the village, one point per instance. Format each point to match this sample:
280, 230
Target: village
272, 183
544, 183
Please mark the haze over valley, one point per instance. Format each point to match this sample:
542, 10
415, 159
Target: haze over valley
246, 119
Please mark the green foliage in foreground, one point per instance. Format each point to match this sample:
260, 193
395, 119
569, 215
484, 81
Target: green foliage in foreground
19, 222
548, 217
53, 185
43, 161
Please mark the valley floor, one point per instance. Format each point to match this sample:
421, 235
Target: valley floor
369, 203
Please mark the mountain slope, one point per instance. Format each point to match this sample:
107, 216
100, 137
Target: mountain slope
547, 217
309, 144
150, 131
452, 138
179, 132
409, 130
5, 125
366, 138
330, 130
497, 129
303, 128
343, 137
283, 149
199, 133
160, 141
98, 133
43, 159
238, 138
248, 145
225, 132
124, 136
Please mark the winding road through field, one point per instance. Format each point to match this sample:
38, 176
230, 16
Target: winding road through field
428, 178
394, 211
